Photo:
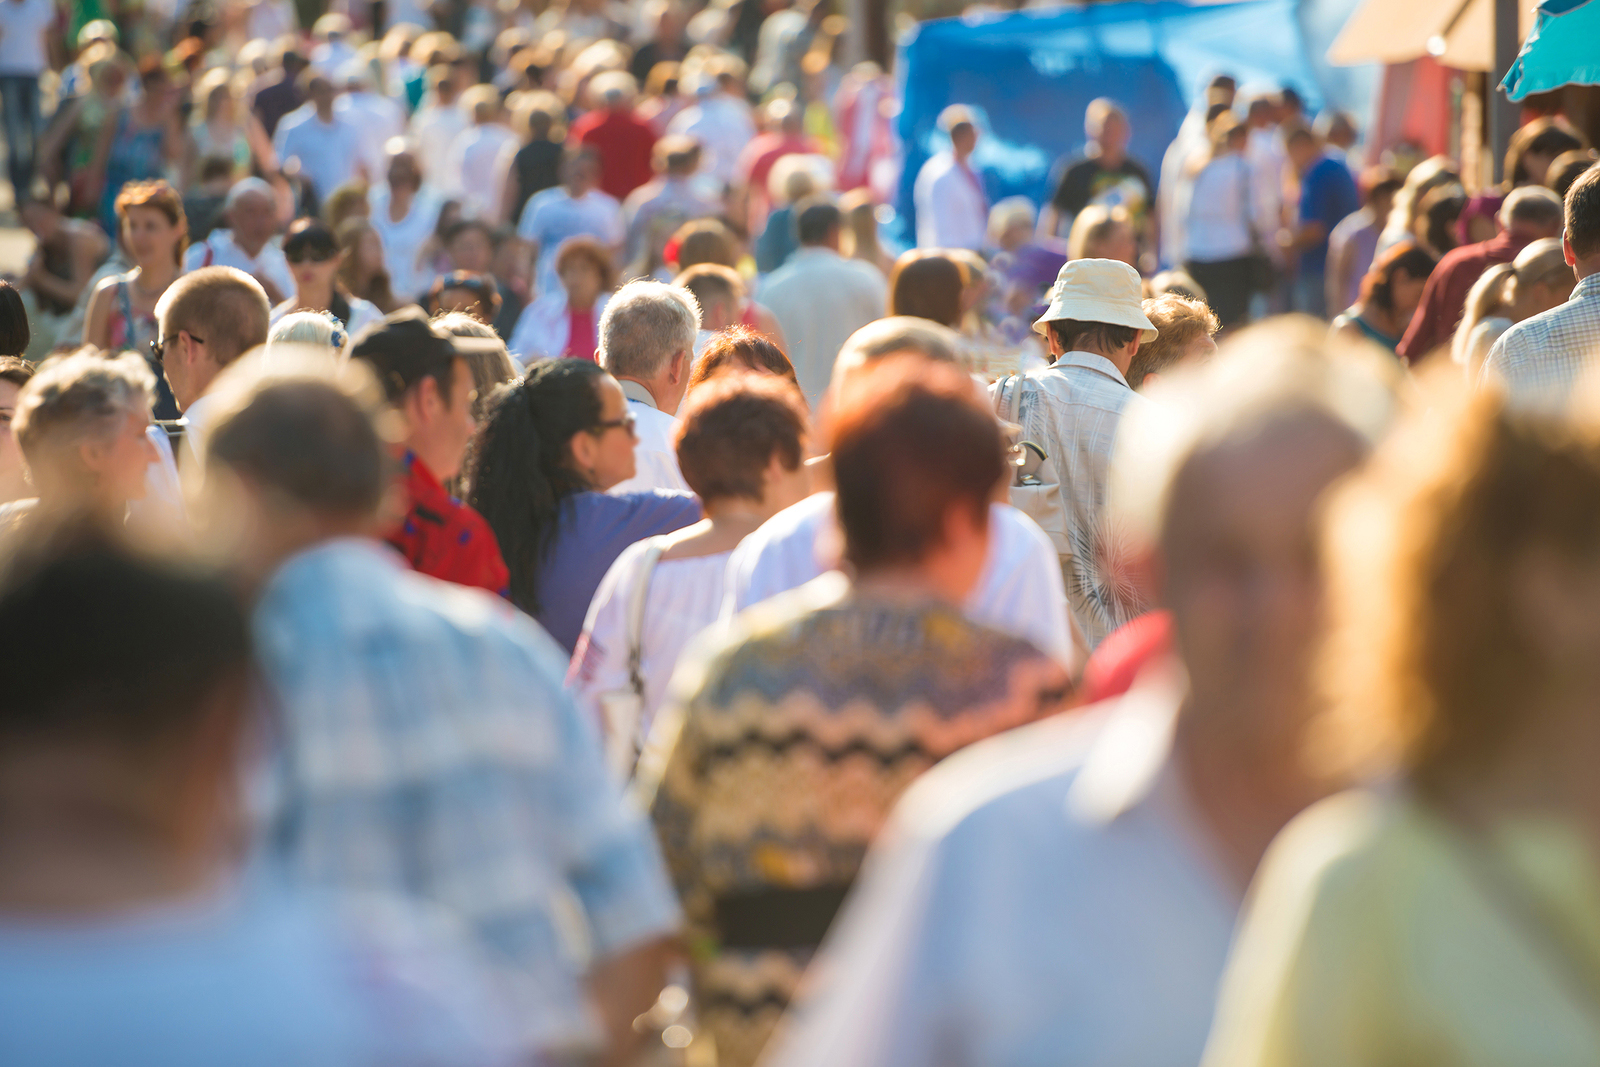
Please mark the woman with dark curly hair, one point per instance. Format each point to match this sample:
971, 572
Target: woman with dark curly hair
553, 443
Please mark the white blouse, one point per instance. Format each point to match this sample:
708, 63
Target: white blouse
684, 597
1218, 212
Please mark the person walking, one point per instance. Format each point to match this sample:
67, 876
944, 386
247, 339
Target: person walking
952, 205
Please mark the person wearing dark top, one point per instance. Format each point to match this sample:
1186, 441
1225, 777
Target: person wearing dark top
283, 94
1104, 174
536, 166
552, 445
1327, 194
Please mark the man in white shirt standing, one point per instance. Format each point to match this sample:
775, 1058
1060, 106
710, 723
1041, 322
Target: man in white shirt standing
251, 212
952, 207
324, 142
480, 154
647, 336
820, 298
577, 207
405, 215
23, 25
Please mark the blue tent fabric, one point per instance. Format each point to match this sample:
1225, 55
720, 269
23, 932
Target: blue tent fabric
1029, 75
1563, 49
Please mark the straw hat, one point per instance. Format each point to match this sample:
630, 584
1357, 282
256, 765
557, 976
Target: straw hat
1098, 290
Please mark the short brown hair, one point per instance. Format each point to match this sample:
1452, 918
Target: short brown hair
587, 248
910, 440
223, 305
159, 196
712, 282
1078, 336
1583, 213
729, 431
15, 370
927, 284
1179, 320
703, 241
740, 347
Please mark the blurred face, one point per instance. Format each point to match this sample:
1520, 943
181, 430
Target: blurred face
40, 220
1406, 292
604, 452
1119, 245
369, 252
1302, 153
1538, 297
471, 250
1114, 135
151, 236
964, 139
403, 171
313, 268
321, 92
1242, 574
1016, 235
582, 280
1537, 167
118, 463
253, 219
13, 483
463, 300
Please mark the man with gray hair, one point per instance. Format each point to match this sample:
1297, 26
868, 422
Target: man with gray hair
1043, 895
647, 336
251, 212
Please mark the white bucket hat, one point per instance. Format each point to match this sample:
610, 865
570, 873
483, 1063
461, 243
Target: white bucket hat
1098, 290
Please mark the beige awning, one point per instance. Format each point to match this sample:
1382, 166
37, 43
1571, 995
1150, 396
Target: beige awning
1458, 33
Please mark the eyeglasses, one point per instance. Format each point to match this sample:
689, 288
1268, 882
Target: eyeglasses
627, 422
300, 255
158, 348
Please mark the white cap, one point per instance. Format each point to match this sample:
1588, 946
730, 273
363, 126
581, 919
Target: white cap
1098, 290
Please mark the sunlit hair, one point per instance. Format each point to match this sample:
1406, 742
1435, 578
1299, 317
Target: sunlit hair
73, 399
1093, 227
729, 431
926, 283
740, 348
317, 330
1179, 322
1377, 285
1427, 661
158, 196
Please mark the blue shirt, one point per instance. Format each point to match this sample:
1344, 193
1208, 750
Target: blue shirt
430, 750
252, 976
1327, 194
593, 530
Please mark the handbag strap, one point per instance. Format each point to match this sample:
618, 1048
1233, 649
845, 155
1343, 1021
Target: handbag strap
636, 602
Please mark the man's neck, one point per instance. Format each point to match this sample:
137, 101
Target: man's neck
325, 116
400, 198
249, 248
652, 390
1585, 268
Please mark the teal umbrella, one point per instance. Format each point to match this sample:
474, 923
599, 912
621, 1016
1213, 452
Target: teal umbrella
1563, 49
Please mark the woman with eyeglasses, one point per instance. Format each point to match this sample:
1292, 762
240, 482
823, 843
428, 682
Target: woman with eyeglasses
552, 444
314, 257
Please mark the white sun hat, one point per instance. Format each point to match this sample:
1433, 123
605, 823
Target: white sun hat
1098, 290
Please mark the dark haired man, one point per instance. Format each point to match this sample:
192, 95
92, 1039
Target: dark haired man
1540, 360
430, 386
820, 298
1094, 326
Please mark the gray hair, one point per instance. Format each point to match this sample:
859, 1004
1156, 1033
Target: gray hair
243, 188
644, 325
78, 397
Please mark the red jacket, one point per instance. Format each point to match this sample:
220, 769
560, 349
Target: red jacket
444, 538
1444, 298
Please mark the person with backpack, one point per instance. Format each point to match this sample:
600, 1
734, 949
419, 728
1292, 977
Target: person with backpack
1068, 414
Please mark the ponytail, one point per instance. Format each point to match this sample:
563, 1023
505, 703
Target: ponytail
1487, 294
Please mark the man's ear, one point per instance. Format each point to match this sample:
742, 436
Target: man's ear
1566, 251
678, 368
424, 403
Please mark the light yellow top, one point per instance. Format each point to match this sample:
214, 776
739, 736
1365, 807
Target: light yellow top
1372, 938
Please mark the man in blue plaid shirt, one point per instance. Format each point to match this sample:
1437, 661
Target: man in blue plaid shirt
427, 746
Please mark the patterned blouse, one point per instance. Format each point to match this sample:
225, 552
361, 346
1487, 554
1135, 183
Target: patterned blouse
779, 754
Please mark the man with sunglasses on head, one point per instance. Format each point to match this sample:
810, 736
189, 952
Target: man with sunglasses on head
430, 386
208, 318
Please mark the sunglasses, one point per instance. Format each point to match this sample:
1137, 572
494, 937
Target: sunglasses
158, 348
303, 253
627, 422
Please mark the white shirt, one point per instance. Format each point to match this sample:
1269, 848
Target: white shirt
683, 598
1265, 152
436, 126
362, 315
952, 210
403, 240
1044, 898
1020, 591
270, 19
330, 56
544, 327
723, 125
655, 458
323, 148
220, 250
1217, 209
553, 215
820, 299
476, 168
378, 118
22, 29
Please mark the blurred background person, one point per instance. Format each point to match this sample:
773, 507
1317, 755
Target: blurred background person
951, 203
314, 259
916, 457
67, 252
362, 269
80, 424
565, 321
1538, 280
1105, 175
1101, 232
1327, 194
647, 341
739, 348
405, 214
251, 213
1353, 244
861, 240
14, 374
467, 292
575, 208
1219, 226
1445, 908
740, 444
1390, 294
927, 284
142, 143
552, 445
1185, 329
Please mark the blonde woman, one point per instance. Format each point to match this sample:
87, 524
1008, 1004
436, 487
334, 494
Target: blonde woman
1102, 232
1536, 281
1449, 916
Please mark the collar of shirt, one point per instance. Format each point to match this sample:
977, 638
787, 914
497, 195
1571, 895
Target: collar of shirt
1090, 361
635, 391
1586, 289
310, 566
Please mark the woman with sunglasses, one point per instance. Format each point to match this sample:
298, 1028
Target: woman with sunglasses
552, 445
314, 257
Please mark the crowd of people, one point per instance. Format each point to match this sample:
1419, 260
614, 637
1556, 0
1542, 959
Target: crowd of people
504, 559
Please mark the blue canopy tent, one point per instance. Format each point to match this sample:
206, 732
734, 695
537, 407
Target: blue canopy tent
1029, 75
1563, 49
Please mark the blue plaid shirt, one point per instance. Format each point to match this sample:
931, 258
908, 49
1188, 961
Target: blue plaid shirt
429, 749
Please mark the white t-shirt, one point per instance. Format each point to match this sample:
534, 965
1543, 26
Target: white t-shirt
22, 28
220, 250
1020, 591
436, 126
379, 118
476, 169
554, 215
323, 148
403, 240
683, 599
952, 210
655, 460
